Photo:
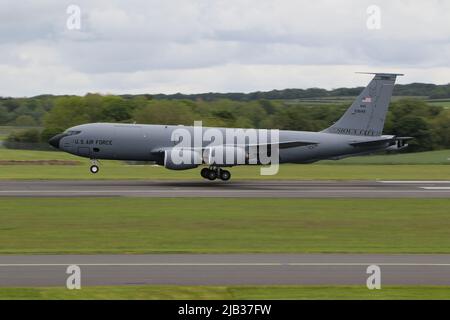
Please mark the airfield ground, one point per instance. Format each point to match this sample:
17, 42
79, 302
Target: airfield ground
230, 292
219, 225
287, 172
433, 165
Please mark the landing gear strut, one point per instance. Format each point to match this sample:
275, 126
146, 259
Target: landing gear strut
94, 167
212, 173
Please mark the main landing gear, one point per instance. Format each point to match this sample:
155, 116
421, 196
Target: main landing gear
212, 173
94, 167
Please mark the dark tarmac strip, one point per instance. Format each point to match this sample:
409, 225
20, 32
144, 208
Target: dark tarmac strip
224, 269
236, 188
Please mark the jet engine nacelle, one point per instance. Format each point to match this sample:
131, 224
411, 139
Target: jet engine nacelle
225, 155
181, 159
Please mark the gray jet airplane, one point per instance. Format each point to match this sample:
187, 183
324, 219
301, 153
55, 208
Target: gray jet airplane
357, 132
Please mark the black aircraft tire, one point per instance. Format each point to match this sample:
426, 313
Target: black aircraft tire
204, 173
212, 175
225, 175
94, 169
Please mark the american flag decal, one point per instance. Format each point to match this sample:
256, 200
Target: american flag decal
367, 99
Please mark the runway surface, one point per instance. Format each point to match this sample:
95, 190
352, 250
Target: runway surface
224, 269
202, 188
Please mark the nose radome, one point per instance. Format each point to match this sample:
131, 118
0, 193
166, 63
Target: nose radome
54, 141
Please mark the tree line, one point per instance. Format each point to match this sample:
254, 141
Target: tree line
429, 125
431, 91
31, 111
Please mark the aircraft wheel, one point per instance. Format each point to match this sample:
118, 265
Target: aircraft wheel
212, 175
94, 169
204, 173
225, 175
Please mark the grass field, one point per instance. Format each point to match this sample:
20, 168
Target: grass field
430, 157
157, 225
287, 172
414, 166
229, 292
445, 103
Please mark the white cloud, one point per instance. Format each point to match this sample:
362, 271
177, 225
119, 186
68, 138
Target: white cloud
203, 45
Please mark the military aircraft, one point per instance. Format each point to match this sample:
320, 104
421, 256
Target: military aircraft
357, 132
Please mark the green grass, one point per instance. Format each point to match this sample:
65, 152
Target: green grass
444, 103
217, 225
12, 154
110, 170
430, 157
413, 166
229, 292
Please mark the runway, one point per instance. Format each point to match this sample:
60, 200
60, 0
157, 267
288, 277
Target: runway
224, 269
237, 188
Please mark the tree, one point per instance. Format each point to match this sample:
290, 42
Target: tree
292, 119
268, 106
47, 133
68, 112
24, 139
25, 121
115, 109
4, 115
441, 128
418, 128
165, 112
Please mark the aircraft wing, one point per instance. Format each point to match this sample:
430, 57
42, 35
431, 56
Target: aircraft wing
203, 155
281, 145
287, 144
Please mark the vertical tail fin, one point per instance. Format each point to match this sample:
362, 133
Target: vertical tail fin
366, 115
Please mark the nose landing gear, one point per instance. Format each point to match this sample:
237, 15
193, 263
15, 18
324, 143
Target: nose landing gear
94, 167
212, 173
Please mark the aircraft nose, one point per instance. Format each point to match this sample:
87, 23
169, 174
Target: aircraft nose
54, 141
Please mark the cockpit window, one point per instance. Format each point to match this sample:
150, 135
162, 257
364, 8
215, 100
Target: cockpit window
72, 132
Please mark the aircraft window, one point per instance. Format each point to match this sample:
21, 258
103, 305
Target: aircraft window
72, 133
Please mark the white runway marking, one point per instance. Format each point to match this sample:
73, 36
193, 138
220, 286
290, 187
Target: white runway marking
224, 269
286, 189
207, 191
436, 188
414, 181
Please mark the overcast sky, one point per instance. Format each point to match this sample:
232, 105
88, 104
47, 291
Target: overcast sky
191, 46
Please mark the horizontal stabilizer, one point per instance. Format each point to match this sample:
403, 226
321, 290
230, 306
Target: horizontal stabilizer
385, 74
404, 138
372, 143
400, 141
